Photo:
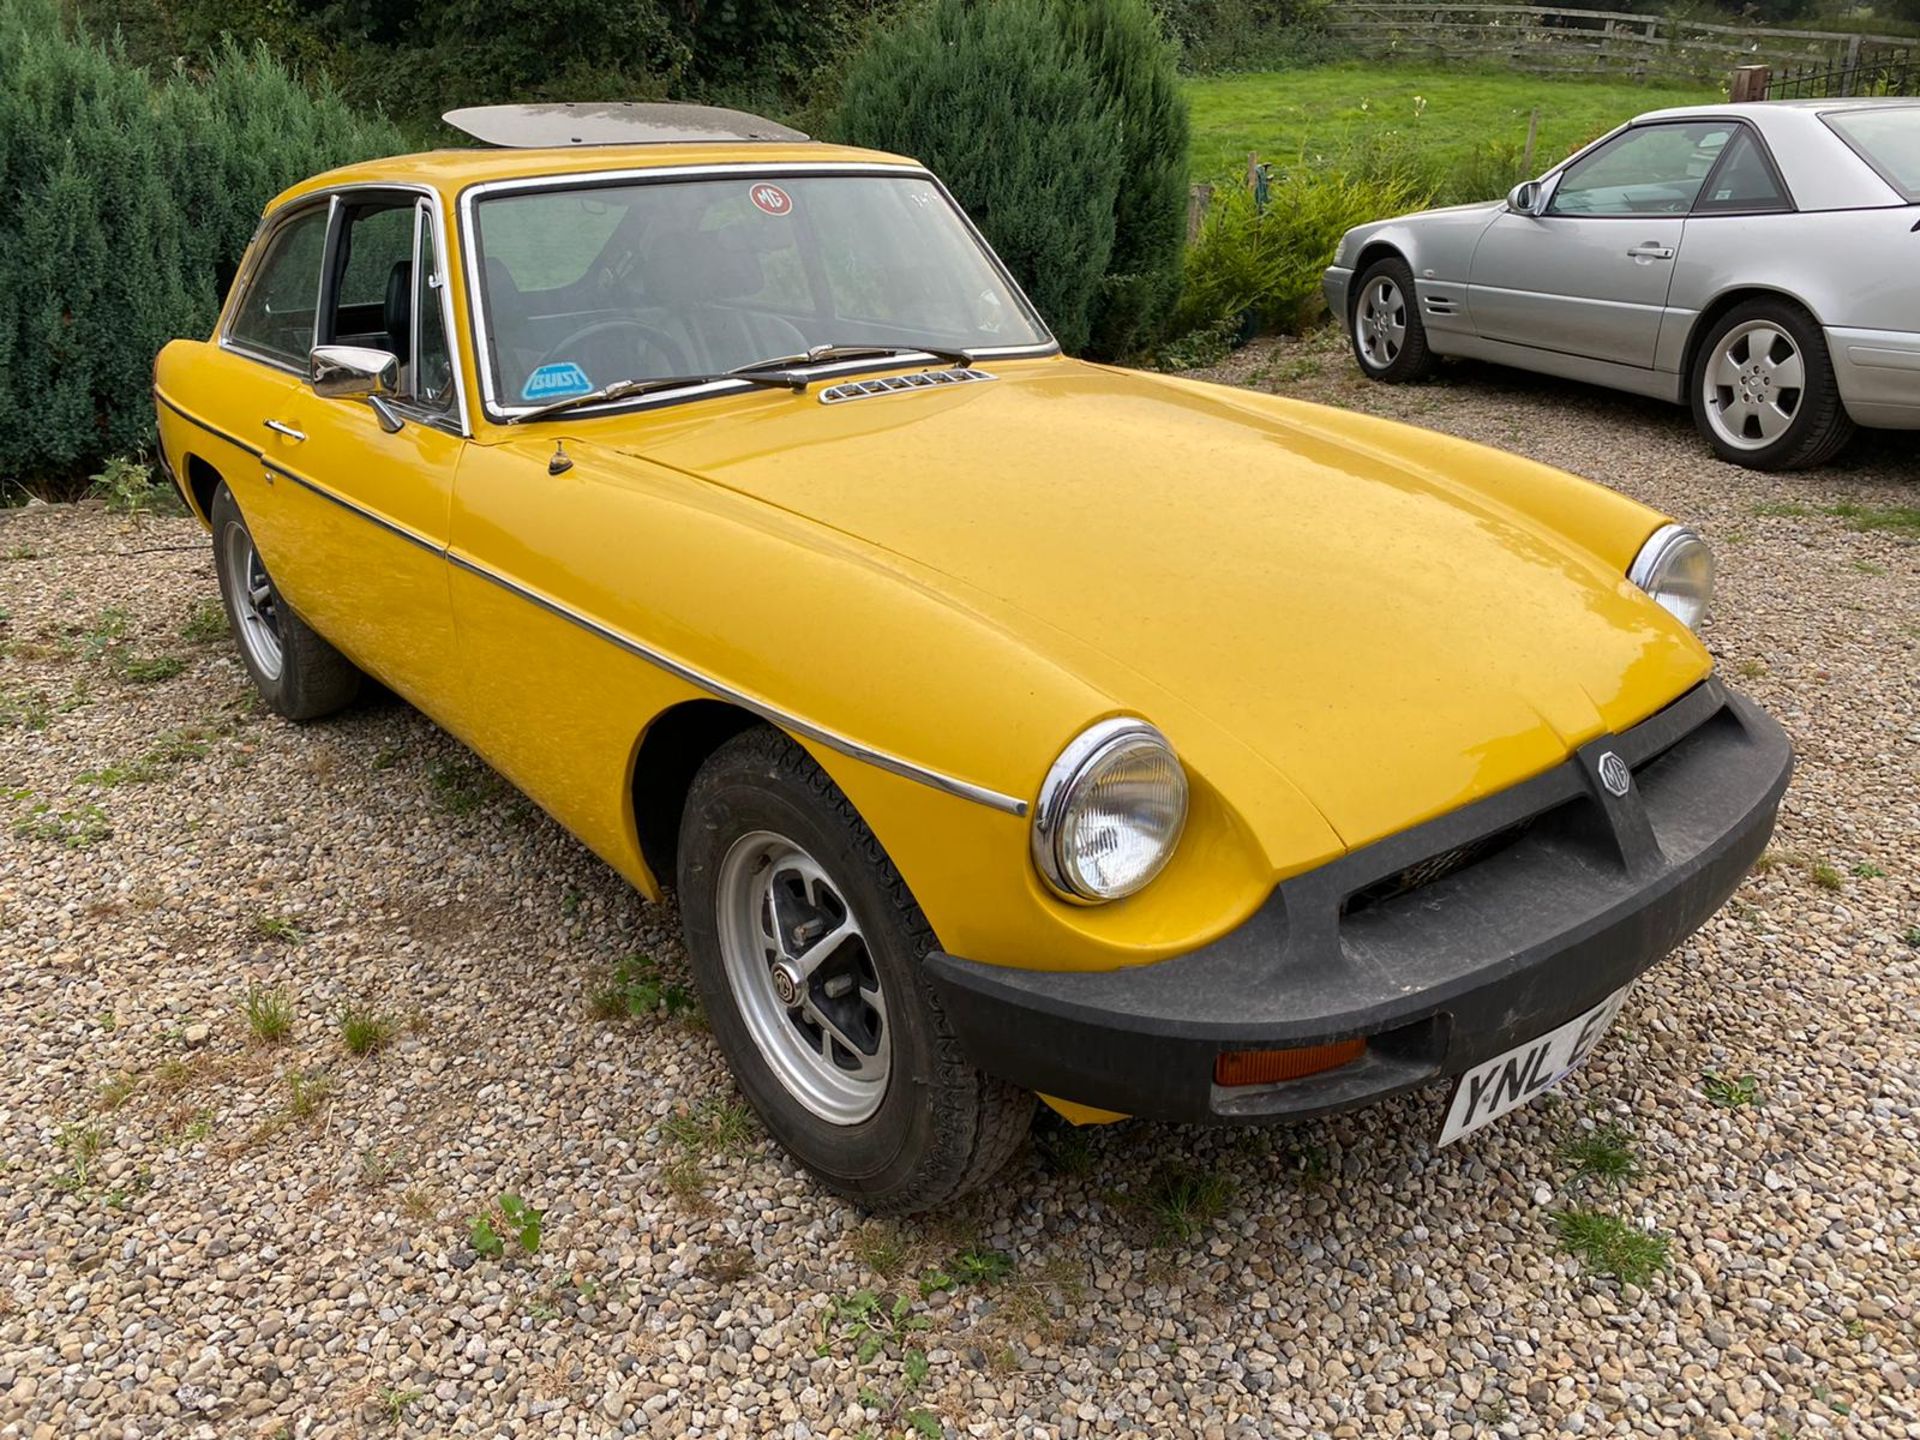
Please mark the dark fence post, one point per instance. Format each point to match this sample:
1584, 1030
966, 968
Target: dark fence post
1749, 84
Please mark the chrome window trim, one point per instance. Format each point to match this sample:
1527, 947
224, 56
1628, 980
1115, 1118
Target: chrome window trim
257, 249
588, 179
773, 714
457, 421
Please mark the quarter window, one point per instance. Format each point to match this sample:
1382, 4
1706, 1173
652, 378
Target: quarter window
1744, 183
276, 315
1652, 170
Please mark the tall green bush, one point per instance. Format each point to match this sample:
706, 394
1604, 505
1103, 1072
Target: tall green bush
999, 103
1260, 266
126, 206
1137, 71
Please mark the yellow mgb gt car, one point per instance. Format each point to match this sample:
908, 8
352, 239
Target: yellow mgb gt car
1006, 724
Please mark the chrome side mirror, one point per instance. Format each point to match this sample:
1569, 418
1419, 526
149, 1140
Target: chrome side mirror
1526, 198
353, 372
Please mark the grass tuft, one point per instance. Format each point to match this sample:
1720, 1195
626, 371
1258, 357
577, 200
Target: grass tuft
1604, 1154
365, 1032
269, 1015
278, 927
1184, 1201
1609, 1245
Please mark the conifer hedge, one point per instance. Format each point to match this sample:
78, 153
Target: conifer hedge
1060, 126
128, 204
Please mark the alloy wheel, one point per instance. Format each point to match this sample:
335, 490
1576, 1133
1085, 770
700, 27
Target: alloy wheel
1753, 382
254, 605
803, 977
1380, 325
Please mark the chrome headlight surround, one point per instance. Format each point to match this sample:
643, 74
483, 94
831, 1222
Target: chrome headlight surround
1675, 567
1118, 781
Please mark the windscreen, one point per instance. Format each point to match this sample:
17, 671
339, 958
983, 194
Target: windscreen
1888, 140
582, 287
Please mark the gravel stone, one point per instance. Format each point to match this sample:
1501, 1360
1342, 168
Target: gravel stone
191, 1245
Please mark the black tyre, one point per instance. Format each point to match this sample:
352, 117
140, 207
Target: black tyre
297, 673
1764, 395
807, 948
1383, 322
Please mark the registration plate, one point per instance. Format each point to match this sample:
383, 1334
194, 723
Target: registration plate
1508, 1081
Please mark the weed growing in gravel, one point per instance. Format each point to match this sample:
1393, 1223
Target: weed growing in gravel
397, 1402
1750, 669
81, 1144
169, 753
1065, 1149
269, 1014
1730, 1092
1912, 937
365, 1032
1899, 519
129, 772
419, 1204
388, 756
109, 628
1609, 1245
1867, 870
306, 1094
635, 988
23, 710
206, 622
1604, 1154
1183, 1201
76, 829
26, 552
463, 785
709, 1131
147, 669
728, 1264
127, 486
516, 1217
1494, 1410
879, 1246
871, 1325
969, 1267
1867, 567
1825, 876
278, 927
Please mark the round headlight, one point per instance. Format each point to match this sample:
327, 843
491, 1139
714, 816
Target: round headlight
1110, 812
1675, 567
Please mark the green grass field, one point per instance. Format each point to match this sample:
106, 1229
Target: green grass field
1286, 116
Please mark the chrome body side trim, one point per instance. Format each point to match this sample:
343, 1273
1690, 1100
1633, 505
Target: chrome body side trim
773, 714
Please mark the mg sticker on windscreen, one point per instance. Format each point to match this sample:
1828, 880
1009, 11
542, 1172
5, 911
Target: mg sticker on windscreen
772, 199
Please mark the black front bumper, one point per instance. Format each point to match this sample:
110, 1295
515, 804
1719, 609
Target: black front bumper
1444, 945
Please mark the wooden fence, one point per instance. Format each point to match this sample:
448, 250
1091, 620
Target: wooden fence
1542, 39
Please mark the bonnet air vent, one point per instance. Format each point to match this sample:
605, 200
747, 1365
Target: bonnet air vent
892, 384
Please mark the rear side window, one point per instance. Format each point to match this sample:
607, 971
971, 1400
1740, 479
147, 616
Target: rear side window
275, 317
1888, 140
1744, 183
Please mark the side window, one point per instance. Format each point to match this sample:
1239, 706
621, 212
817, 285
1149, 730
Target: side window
276, 315
1744, 183
432, 362
1653, 170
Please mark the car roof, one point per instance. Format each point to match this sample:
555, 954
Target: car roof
1792, 112
452, 171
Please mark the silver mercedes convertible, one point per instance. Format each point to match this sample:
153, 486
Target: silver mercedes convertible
1760, 262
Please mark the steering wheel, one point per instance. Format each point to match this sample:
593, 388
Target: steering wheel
597, 338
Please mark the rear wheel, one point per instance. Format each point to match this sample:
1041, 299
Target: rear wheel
809, 953
1389, 340
297, 672
1764, 394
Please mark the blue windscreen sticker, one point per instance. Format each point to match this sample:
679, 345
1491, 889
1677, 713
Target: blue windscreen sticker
556, 382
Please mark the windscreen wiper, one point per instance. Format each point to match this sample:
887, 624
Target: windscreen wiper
820, 354
626, 389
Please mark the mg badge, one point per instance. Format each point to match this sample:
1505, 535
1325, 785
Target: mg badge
1614, 774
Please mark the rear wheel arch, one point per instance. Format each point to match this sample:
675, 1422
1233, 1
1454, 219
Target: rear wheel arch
1712, 313
669, 755
204, 481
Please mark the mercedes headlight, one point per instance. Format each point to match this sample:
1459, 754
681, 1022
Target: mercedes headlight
1675, 567
1110, 812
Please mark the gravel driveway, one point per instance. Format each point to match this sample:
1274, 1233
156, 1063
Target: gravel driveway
210, 1230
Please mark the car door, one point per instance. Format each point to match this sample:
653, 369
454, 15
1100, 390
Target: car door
375, 477
1589, 275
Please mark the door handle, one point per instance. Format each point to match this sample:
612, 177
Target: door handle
1652, 250
280, 427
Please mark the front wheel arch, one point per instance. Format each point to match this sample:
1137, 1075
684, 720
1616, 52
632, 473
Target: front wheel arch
669, 754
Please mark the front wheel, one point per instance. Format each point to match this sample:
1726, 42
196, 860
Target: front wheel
809, 951
1389, 339
1764, 394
